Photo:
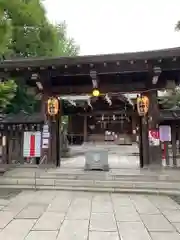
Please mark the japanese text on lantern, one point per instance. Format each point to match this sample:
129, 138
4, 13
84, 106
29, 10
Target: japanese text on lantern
142, 105
53, 106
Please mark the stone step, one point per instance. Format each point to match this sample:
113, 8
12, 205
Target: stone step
97, 176
88, 185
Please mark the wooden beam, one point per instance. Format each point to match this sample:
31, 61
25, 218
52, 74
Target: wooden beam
108, 112
84, 68
158, 56
87, 89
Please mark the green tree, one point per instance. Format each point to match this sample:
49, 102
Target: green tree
31, 34
171, 100
23, 101
66, 46
26, 32
7, 92
5, 32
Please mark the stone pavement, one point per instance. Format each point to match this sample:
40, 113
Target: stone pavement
50, 215
120, 156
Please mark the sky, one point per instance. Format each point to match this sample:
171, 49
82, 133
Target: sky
117, 26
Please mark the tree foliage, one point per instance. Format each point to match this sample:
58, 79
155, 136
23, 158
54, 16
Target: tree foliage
66, 46
177, 27
7, 92
171, 100
23, 101
26, 32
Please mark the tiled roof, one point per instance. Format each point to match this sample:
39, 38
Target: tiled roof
23, 118
145, 55
170, 114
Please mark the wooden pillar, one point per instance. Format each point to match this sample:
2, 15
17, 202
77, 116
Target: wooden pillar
174, 148
179, 136
58, 142
134, 125
21, 138
48, 150
53, 146
1, 148
153, 114
141, 160
56, 138
4, 146
7, 148
70, 130
85, 128
145, 142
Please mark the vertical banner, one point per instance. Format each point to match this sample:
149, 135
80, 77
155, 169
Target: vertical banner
32, 144
45, 137
154, 137
165, 133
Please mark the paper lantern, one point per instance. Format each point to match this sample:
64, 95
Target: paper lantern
53, 106
142, 105
96, 93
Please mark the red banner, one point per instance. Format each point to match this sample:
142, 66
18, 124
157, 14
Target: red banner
32, 146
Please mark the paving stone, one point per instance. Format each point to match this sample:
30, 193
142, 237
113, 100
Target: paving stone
84, 195
172, 215
157, 223
81, 202
165, 236
103, 236
49, 221
44, 197
143, 205
78, 212
103, 222
177, 226
73, 230
163, 202
121, 200
31, 212
42, 235
102, 197
64, 194
79, 209
16, 205
13, 209
146, 208
59, 204
5, 218
17, 229
98, 207
23, 198
46, 211
4, 202
127, 214
133, 231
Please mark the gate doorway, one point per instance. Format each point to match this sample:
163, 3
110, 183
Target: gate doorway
113, 129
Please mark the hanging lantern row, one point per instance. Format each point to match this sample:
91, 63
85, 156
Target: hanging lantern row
52, 106
142, 105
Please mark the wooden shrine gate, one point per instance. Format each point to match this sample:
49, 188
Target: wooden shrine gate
141, 72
